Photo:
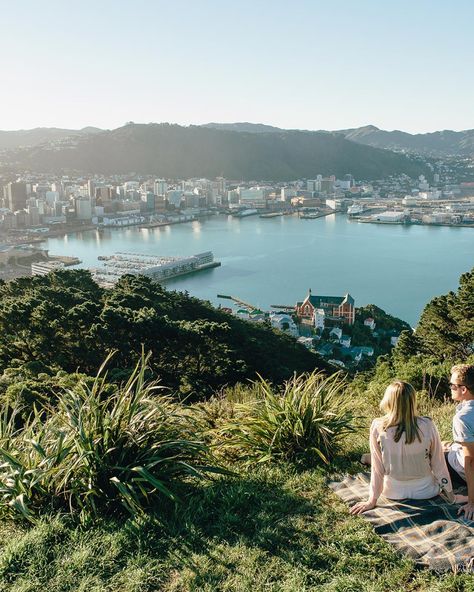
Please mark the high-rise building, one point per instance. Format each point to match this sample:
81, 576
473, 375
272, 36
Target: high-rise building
15, 195
160, 187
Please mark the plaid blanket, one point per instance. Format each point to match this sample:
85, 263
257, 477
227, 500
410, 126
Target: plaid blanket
428, 531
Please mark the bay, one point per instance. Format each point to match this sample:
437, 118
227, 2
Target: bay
276, 260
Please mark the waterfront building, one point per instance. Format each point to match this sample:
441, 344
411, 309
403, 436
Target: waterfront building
45, 267
327, 185
254, 195
157, 268
287, 193
336, 308
83, 208
313, 185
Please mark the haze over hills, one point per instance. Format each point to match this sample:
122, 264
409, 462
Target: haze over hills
17, 138
173, 151
436, 143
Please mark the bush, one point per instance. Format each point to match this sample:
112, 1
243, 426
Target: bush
306, 422
100, 453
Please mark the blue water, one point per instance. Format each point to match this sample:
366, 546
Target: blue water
276, 260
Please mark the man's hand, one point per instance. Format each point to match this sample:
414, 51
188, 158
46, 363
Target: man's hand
362, 507
468, 511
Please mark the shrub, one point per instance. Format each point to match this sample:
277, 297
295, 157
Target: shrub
305, 422
100, 453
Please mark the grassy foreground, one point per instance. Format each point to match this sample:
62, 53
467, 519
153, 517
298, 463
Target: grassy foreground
271, 527
274, 529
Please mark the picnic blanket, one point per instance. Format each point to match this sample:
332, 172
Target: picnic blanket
428, 531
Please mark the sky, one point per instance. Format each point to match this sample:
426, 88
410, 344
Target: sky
296, 64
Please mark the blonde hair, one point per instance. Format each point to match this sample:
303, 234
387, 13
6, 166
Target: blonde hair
399, 405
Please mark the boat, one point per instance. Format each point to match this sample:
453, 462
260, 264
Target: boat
245, 213
271, 215
355, 210
310, 216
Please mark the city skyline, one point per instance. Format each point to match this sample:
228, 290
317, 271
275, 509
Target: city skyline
304, 66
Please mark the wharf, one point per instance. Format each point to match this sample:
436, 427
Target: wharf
68, 261
164, 223
412, 223
314, 215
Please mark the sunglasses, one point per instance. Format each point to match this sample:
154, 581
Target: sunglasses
455, 386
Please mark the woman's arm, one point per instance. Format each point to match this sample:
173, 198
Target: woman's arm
376, 474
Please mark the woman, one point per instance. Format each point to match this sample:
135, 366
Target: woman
406, 455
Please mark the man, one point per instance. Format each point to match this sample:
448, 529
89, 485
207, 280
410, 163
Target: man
460, 455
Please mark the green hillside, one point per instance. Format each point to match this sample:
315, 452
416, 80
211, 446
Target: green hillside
182, 152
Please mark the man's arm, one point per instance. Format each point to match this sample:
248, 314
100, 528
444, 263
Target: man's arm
468, 453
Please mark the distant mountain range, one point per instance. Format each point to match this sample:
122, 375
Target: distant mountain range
16, 139
440, 143
435, 143
173, 151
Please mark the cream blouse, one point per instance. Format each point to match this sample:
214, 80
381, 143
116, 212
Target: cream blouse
399, 470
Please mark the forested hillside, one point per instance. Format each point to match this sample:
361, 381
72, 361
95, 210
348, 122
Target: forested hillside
65, 321
173, 151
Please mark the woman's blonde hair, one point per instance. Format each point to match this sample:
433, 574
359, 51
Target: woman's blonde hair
399, 406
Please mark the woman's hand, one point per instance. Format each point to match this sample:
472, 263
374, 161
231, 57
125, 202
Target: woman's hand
362, 507
461, 499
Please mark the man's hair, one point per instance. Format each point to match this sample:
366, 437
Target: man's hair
466, 375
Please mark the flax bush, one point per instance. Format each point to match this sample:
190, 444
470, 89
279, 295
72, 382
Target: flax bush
305, 422
101, 453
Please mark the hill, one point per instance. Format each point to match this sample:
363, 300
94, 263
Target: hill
244, 126
173, 151
195, 348
10, 140
438, 143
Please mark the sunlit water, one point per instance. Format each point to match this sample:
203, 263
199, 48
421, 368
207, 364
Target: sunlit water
276, 260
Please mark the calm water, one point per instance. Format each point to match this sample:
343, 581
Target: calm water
276, 260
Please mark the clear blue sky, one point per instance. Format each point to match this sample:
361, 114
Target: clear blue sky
307, 64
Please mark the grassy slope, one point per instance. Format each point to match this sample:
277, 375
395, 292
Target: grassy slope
274, 528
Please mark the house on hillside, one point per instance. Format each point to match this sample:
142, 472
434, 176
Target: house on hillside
336, 308
370, 323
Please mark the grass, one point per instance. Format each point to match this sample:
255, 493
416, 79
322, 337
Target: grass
275, 528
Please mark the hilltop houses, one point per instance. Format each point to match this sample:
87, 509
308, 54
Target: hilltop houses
319, 309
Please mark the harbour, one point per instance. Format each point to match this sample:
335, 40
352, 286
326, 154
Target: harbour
398, 267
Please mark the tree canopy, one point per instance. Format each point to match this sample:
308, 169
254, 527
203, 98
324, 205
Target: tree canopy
65, 321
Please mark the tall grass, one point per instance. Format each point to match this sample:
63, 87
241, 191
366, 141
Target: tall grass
306, 421
100, 453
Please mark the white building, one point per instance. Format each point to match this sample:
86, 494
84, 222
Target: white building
336, 333
319, 318
287, 193
253, 194
389, 217
370, 323
283, 322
